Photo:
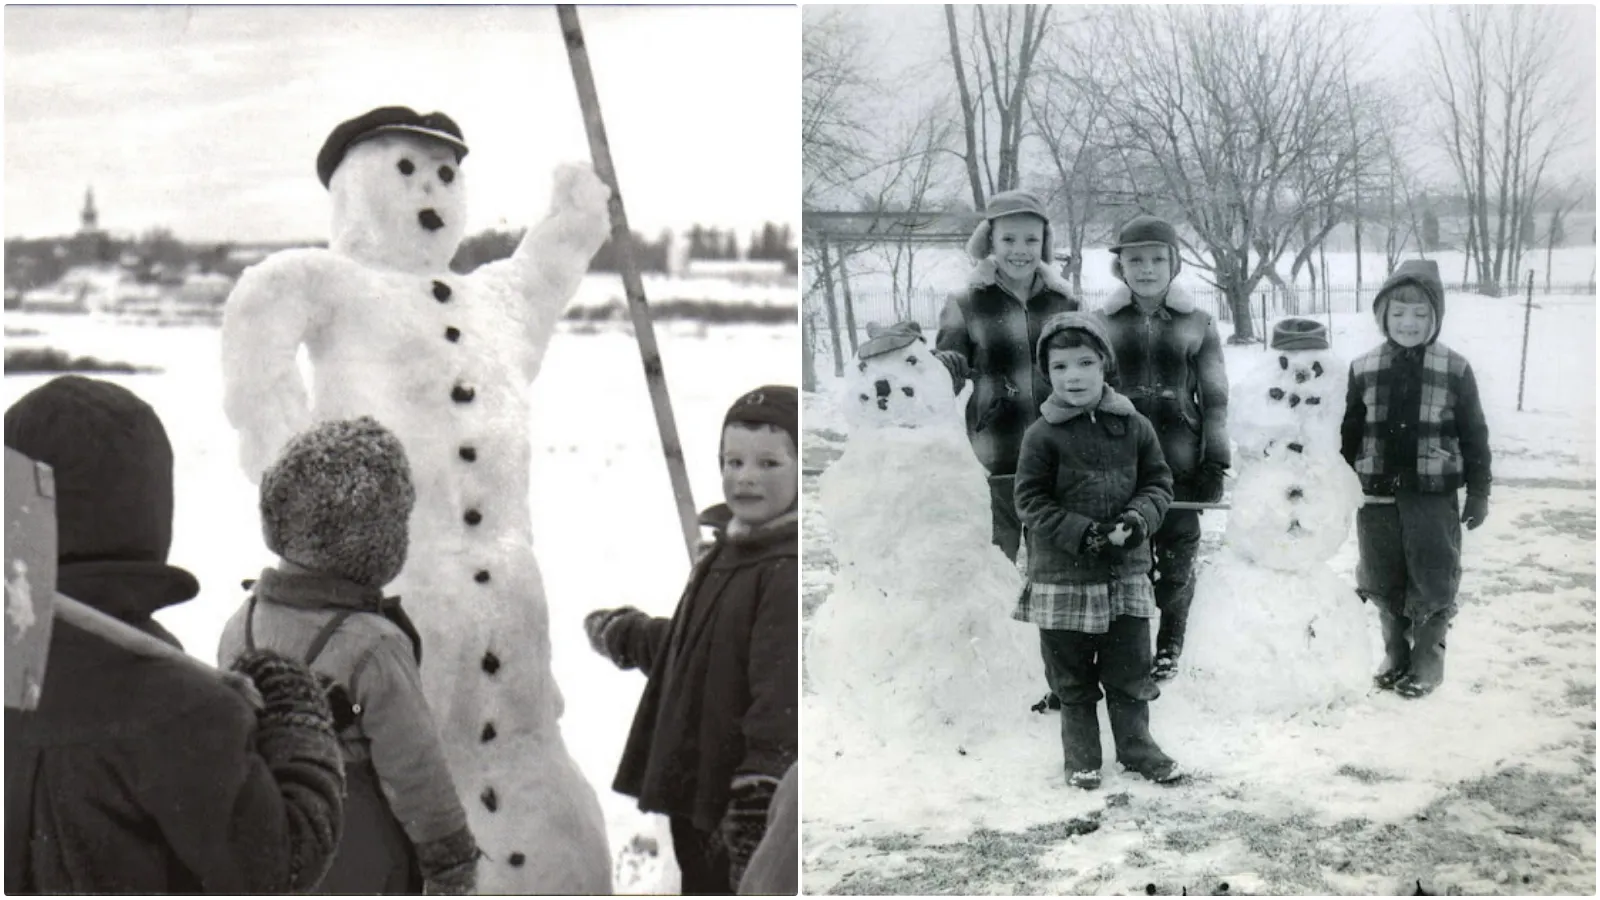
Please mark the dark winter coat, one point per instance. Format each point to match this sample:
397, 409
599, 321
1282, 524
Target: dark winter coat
1088, 464
1413, 420
723, 694
401, 794
1169, 363
141, 775
138, 774
996, 332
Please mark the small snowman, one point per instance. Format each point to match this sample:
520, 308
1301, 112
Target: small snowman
1282, 632
915, 643
443, 361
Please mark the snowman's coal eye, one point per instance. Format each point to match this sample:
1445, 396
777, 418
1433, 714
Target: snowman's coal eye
447, 174
1275, 393
405, 167
1283, 362
1316, 368
861, 366
912, 360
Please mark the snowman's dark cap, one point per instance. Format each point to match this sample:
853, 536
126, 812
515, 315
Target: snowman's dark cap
385, 120
1299, 334
887, 339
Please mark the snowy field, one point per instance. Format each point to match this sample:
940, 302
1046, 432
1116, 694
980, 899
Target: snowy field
1486, 787
597, 456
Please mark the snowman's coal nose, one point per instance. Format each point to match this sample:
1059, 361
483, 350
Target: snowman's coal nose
882, 387
430, 220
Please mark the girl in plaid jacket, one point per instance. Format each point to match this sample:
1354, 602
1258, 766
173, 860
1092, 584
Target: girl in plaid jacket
1092, 485
1414, 430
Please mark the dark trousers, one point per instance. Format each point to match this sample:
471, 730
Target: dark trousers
1078, 665
1003, 511
1175, 545
701, 857
1410, 569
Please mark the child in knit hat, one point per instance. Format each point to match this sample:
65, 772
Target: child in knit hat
1414, 430
716, 726
335, 507
1092, 487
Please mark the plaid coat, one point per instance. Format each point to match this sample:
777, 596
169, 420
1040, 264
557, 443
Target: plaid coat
997, 334
1413, 421
1169, 363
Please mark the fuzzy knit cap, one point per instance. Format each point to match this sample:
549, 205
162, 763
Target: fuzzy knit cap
1092, 324
1421, 273
1009, 203
112, 464
337, 501
1299, 334
772, 404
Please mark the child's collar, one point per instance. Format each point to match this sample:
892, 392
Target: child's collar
1057, 412
738, 530
986, 273
1177, 300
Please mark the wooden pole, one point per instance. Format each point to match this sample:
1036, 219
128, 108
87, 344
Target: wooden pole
1527, 318
622, 242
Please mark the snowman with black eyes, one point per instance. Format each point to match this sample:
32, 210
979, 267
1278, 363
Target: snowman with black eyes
1283, 634
444, 361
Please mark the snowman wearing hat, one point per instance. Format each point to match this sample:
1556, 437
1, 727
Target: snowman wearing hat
444, 362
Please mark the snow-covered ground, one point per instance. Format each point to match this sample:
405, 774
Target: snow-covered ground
597, 459
1487, 786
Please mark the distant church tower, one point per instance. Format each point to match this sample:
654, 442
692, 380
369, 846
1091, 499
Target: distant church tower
90, 217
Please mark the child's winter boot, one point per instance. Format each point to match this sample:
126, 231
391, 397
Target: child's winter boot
1427, 657
1080, 737
1396, 648
1088, 779
1136, 749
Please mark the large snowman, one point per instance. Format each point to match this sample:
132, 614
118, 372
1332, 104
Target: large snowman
444, 361
914, 648
1282, 633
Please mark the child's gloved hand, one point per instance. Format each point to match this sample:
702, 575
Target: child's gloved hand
1207, 481
745, 821
596, 623
960, 371
1475, 511
1094, 542
1128, 530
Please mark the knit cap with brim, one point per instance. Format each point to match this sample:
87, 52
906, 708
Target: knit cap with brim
337, 501
1090, 323
1299, 334
1423, 273
777, 405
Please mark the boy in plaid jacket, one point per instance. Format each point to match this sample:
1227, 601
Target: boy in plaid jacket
1092, 485
1414, 430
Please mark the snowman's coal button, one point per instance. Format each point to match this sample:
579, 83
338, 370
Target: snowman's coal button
441, 291
1275, 393
491, 663
452, 334
488, 732
517, 859
1295, 493
468, 453
491, 800
473, 517
462, 394
482, 577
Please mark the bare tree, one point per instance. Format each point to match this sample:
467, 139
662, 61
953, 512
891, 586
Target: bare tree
1503, 111
835, 121
1238, 114
1003, 55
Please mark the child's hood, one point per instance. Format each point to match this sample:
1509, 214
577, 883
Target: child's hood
1424, 273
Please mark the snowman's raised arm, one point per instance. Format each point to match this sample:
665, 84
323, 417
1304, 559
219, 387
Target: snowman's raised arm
266, 319
541, 277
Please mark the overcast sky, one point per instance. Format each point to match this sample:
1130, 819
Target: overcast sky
207, 120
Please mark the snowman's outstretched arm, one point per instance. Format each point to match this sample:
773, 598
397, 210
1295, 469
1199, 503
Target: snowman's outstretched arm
267, 317
541, 277
1034, 492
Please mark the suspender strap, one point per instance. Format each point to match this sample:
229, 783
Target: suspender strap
321, 640
250, 625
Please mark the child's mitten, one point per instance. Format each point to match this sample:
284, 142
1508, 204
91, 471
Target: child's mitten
1476, 510
1094, 542
745, 821
1128, 530
596, 623
1207, 481
450, 864
960, 371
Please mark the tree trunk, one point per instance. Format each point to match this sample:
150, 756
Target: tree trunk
849, 302
808, 355
1231, 280
833, 311
970, 130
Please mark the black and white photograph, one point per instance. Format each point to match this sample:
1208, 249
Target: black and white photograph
402, 449
1199, 449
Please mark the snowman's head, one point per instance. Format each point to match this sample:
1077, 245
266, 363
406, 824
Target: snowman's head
399, 200
896, 381
1293, 393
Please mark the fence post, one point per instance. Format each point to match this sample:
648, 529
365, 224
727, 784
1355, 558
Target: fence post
1527, 317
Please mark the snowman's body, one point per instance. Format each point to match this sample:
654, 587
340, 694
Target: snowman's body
444, 361
1281, 633
914, 646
